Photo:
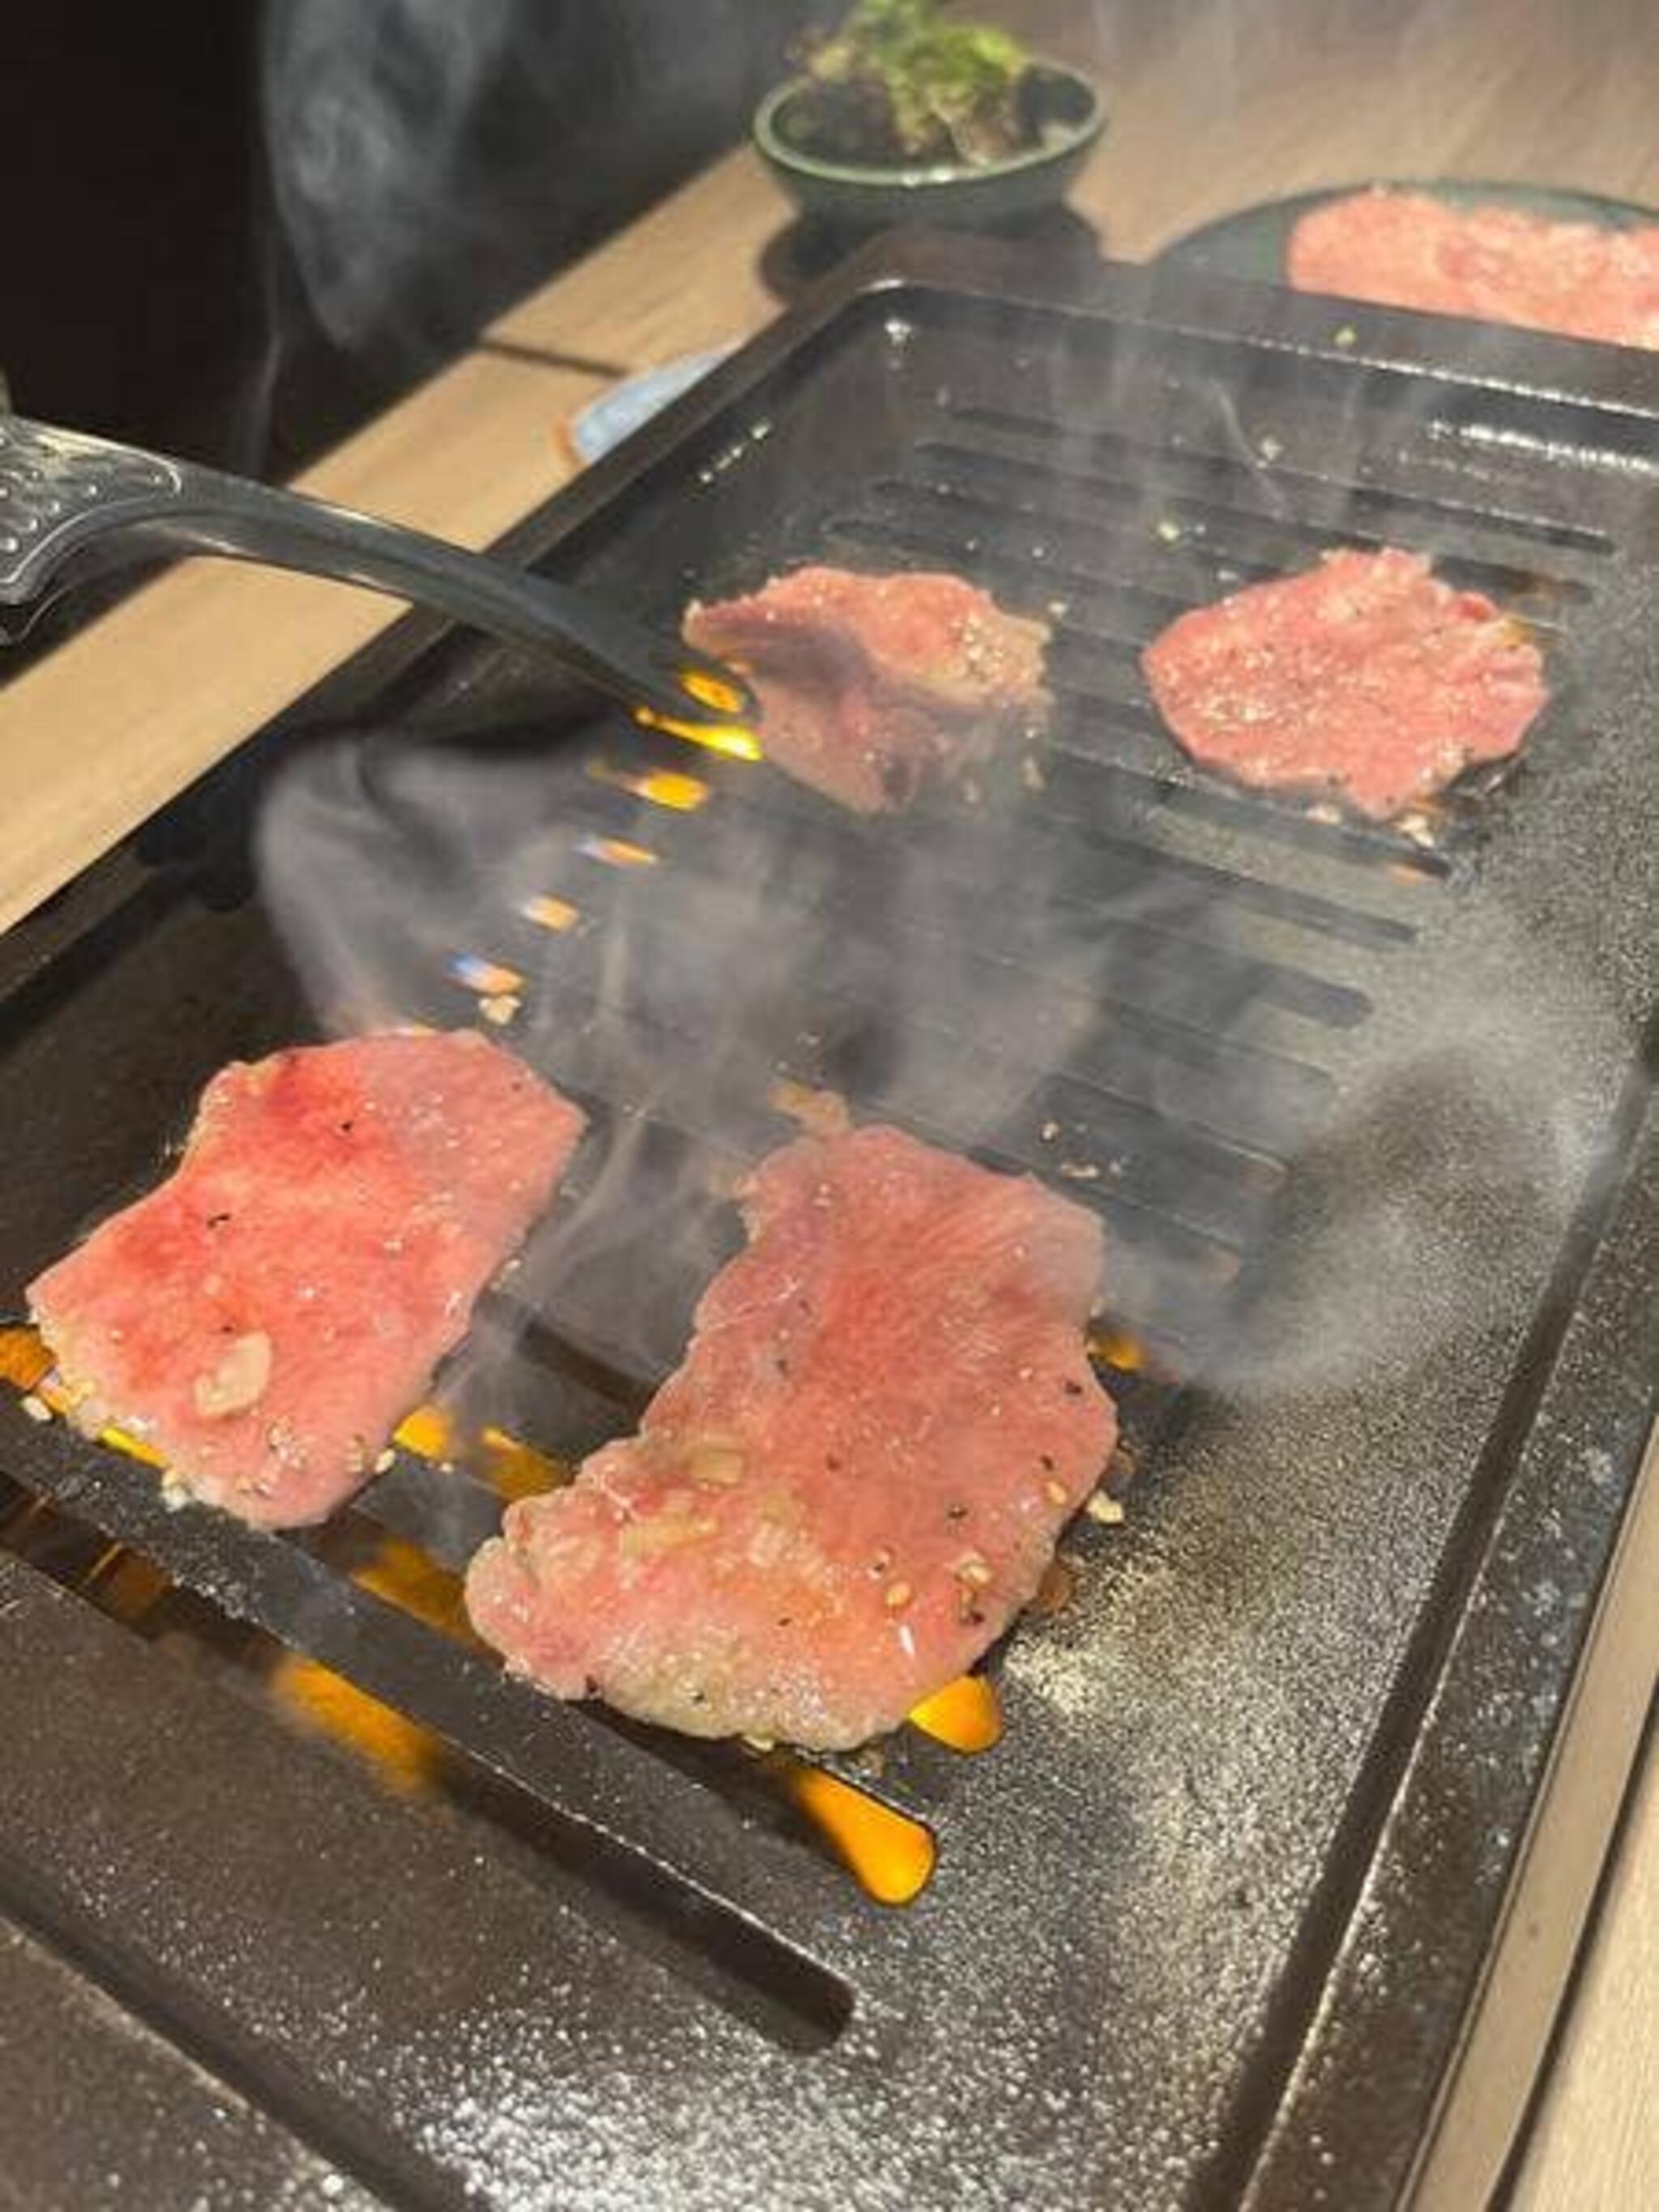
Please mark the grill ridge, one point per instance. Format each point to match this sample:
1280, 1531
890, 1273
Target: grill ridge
1177, 462
953, 471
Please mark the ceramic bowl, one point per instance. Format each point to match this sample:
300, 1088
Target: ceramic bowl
1070, 117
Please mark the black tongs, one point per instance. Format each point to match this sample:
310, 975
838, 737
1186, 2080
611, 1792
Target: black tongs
72, 506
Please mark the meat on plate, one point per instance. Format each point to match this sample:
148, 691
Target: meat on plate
1496, 264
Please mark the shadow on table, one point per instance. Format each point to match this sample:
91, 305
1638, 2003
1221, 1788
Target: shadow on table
795, 258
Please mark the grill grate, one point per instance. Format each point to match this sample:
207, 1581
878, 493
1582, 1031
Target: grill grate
598, 1779
1167, 996
1167, 1081
1146, 1105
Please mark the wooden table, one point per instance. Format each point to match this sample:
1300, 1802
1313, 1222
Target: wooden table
1214, 107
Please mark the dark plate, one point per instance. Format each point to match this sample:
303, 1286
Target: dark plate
1252, 243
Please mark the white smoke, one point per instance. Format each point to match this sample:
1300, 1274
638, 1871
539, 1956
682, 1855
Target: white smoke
366, 103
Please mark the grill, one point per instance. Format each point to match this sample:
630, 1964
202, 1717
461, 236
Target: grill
1366, 1114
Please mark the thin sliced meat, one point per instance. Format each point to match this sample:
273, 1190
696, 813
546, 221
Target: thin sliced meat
265, 1318
856, 1478
1498, 265
1367, 676
870, 686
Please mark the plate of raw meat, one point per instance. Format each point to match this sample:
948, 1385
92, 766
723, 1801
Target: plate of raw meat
1531, 255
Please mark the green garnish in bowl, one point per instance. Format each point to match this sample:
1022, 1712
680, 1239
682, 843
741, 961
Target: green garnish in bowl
898, 83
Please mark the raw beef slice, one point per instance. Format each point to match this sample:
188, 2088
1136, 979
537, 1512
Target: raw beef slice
1496, 264
265, 1317
871, 686
856, 1478
1366, 675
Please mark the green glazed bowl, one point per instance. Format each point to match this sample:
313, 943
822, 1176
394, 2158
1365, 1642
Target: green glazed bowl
869, 196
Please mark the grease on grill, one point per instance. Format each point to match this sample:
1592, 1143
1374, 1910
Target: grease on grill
1059, 1584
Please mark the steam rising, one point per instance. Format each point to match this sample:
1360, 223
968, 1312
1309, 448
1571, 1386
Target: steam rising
686, 976
682, 989
1462, 1146
406, 877
432, 160
367, 102
942, 971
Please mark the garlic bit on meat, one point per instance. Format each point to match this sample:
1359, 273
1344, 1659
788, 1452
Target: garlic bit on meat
715, 1465
237, 1380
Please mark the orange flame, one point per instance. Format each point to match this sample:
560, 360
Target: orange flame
551, 913
709, 691
27, 1361
24, 1359
407, 1755
619, 853
965, 1716
890, 1855
665, 788
1118, 1349
731, 739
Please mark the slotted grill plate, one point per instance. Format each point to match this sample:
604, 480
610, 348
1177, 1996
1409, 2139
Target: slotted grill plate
1336, 1095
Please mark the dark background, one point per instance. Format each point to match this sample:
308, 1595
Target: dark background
149, 293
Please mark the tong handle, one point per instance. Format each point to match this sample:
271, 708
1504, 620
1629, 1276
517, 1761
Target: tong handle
72, 505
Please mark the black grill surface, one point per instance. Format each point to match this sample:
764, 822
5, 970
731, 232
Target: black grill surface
1363, 1110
